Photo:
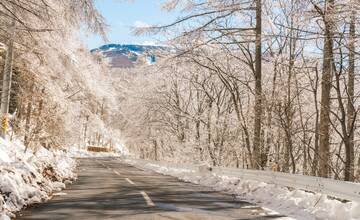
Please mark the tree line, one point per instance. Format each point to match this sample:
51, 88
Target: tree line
261, 84
54, 92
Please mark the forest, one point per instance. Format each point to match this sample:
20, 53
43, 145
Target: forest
264, 84
55, 94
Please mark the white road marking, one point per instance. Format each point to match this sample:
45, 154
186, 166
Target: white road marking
129, 181
149, 202
116, 172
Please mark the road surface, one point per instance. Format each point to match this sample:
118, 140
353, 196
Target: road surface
109, 189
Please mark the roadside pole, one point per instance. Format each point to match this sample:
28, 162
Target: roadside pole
6, 86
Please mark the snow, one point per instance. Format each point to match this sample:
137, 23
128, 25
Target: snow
4, 217
30, 177
296, 204
4, 158
82, 153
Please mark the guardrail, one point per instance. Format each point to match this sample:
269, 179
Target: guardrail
335, 188
98, 149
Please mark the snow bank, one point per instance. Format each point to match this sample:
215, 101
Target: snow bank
293, 203
27, 178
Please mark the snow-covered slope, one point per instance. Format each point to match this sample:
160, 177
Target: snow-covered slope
28, 177
128, 55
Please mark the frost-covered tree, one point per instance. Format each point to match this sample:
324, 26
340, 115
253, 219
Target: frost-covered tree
308, 87
61, 94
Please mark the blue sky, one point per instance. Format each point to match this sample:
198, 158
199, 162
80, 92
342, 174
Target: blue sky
121, 15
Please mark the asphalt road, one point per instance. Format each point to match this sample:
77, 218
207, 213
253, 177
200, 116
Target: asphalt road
109, 189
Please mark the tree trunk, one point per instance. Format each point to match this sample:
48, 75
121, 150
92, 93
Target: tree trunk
28, 119
350, 155
85, 129
324, 147
209, 136
27, 125
155, 150
258, 89
315, 161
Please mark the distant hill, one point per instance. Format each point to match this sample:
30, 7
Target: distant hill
128, 55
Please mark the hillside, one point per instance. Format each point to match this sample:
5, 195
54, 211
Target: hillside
128, 55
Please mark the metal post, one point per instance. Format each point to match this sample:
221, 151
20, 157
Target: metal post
6, 87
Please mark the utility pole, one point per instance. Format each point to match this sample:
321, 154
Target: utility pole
6, 87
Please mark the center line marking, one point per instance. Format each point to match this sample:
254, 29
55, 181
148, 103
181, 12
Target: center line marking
129, 181
147, 199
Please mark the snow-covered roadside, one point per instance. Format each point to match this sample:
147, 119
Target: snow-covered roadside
297, 204
27, 178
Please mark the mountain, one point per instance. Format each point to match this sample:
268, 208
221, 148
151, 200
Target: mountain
128, 55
